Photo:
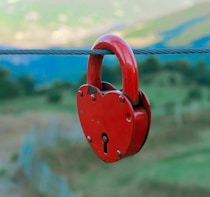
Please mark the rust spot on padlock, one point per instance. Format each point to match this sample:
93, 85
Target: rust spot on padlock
118, 121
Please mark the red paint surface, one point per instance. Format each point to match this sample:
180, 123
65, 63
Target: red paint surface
122, 117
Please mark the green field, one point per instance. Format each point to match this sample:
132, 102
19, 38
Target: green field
174, 162
161, 91
157, 87
39, 103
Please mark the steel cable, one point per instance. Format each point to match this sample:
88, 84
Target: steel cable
101, 52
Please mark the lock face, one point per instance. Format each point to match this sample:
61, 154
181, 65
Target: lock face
115, 123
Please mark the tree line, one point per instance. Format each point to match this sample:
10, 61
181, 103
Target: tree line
25, 85
199, 73
10, 88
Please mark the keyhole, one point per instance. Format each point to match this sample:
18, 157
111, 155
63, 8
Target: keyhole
105, 141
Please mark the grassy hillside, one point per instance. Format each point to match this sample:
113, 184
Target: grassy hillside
152, 29
38, 23
199, 30
174, 162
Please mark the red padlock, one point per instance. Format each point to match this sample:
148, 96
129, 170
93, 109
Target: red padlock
115, 122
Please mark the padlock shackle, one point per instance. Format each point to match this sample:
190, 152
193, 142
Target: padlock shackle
127, 62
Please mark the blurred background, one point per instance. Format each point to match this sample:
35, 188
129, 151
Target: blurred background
42, 148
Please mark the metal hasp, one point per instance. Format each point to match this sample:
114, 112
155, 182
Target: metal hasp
115, 122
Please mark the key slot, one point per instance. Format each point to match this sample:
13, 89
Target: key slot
105, 141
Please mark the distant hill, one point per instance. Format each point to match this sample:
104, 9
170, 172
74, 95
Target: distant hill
184, 28
180, 28
38, 23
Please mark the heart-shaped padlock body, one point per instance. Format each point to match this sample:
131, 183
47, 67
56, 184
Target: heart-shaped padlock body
110, 123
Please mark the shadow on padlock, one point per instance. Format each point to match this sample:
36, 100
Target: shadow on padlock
115, 122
